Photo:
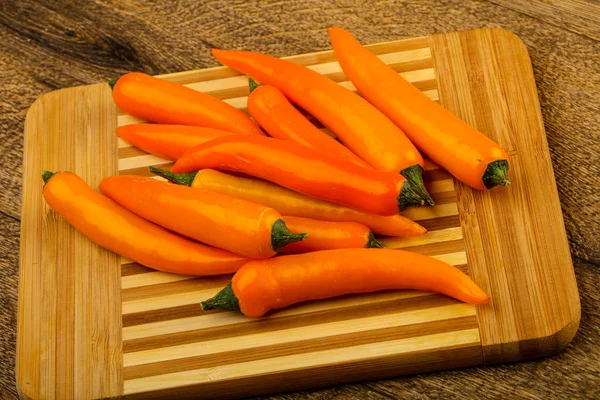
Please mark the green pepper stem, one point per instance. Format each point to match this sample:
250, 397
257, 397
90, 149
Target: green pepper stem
46, 175
112, 83
496, 174
281, 235
374, 243
416, 194
413, 191
180, 179
224, 300
252, 84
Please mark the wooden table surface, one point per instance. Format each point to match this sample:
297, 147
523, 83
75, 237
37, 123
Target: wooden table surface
50, 45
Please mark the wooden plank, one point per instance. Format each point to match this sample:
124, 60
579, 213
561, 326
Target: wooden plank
517, 247
69, 332
581, 16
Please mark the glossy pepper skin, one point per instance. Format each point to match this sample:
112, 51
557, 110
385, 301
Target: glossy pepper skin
304, 170
281, 120
362, 128
242, 227
325, 235
168, 141
466, 153
113, 227
260, 286
289, 202
160, 101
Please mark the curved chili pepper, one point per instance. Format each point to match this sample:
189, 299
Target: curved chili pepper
248, 229
360, 126
276, 115
306, 171
113, 227
260, 286
156, 100
288, 202
168, 141
325, 235
466, 153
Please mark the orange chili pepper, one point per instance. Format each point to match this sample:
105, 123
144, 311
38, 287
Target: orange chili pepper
325, 235
466, 153
276, 115
304, 170
248, 229
164, 102
260, 286
111, 226
168, 141
288, 202
360, 126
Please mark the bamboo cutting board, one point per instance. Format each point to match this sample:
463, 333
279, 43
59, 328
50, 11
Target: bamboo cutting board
92, 325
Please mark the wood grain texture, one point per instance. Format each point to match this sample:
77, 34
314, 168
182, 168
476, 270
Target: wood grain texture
515, 243
579, 16
49, 45
69, 342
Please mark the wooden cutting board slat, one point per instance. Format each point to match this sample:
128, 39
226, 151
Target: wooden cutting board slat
94, 325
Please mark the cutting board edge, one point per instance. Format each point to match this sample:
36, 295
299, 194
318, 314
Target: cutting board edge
84, 115
546, 342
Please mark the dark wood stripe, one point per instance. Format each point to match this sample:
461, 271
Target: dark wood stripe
439, 174
436, 224
278, 323
134, 269
164, 314
164, 289
299, 347
463, 267
444, 197
435, 249
128, 152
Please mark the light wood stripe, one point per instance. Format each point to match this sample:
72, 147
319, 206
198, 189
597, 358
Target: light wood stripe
296, 335
439, 236
305, 361
214, 320
141, 161
151, 278
425, 213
